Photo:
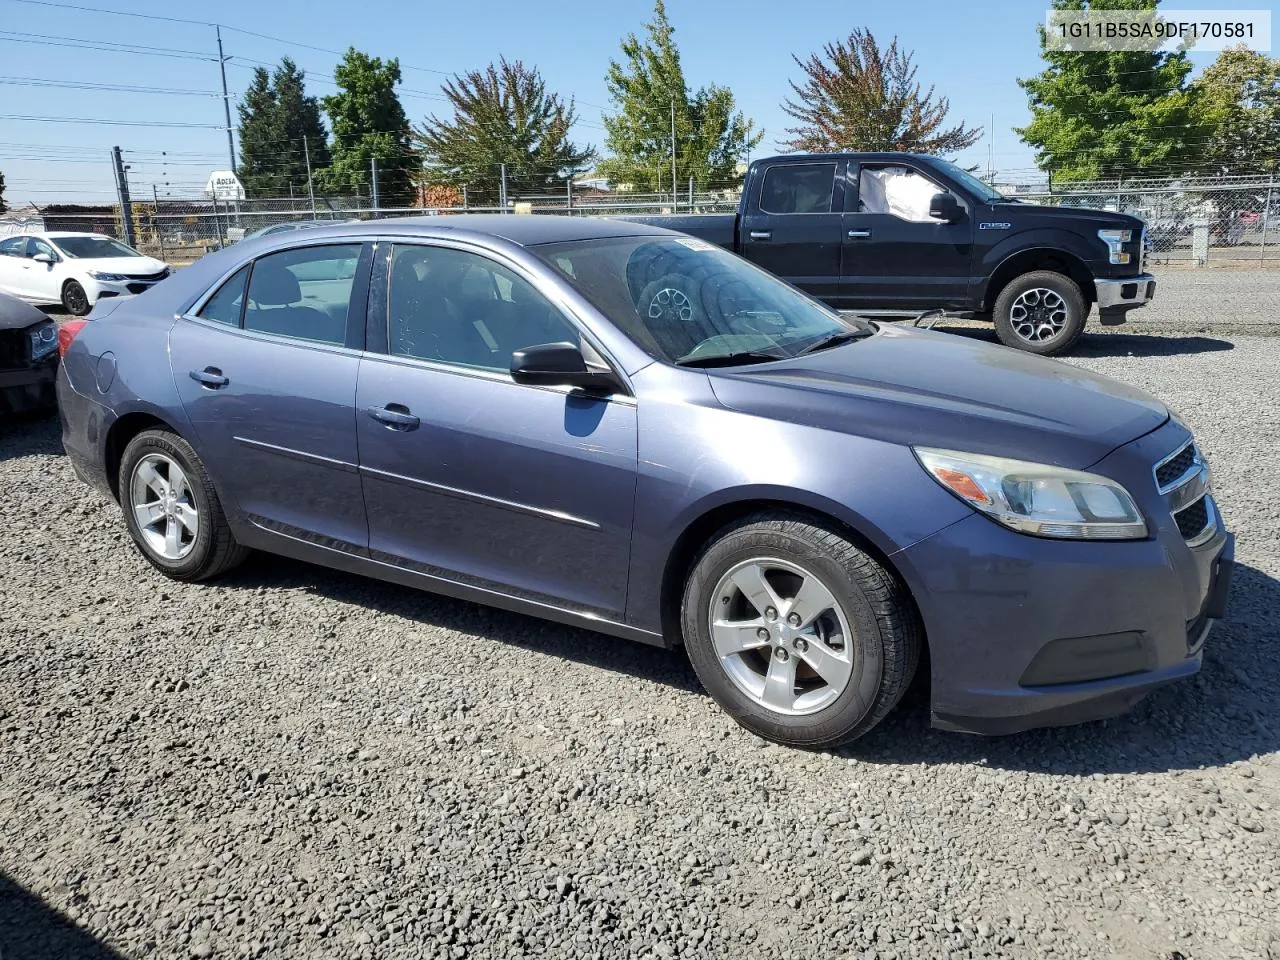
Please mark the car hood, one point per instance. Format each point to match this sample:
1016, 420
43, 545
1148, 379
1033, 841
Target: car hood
131, 266
1122, 221
17, 314
919, 387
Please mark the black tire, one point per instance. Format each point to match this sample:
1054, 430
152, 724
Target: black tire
214, 549
1077, 310
74, 300
885, 639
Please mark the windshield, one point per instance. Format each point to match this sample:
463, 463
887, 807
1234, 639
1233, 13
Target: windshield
689, 302
983, 190
92, 248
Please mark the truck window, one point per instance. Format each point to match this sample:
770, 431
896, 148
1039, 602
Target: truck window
798, 188
899, 191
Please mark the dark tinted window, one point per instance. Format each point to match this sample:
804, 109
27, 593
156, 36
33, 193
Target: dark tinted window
798, 188
459, 307
39, 246
91, 248
304, 294
224, 306
13, 246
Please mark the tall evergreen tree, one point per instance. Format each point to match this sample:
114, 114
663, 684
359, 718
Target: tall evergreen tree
275, 115
711, 134
1104, 114
1240, 105
857, 96
502, 115
369, 123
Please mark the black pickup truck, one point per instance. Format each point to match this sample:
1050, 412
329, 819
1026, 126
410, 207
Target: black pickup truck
895, 232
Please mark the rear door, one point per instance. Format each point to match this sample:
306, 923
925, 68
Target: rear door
793, 226
267, 369
13, 251
895, 255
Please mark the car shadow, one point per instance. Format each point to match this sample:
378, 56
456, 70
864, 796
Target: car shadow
28, 435
30, 929
1116, 344
1230, 712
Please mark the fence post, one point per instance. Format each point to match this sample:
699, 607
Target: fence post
568, 193
503, 192
464, 196
155, 218
1266, 222
311, 190
373, 183
691, 194
122, 191
217, 220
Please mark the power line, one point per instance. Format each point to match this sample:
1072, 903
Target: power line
76, 43
109, 87
117, 123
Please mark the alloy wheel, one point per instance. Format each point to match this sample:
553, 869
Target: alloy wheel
1038, 315
166, 513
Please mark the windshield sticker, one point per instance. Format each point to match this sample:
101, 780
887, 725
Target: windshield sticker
695, 244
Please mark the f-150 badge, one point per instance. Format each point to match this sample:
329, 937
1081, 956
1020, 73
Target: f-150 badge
994, 226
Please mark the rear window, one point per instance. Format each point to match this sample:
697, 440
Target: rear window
798, 188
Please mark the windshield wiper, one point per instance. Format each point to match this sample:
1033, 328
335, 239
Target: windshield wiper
834, 340
729, 359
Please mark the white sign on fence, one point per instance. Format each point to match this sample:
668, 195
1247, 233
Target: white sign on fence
224, 185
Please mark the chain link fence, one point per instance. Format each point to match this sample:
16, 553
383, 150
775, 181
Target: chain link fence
1191, 222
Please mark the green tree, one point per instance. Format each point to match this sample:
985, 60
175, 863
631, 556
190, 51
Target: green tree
502, 115
1240, 106
711, 134
369, 123
858, 97
1104, 114
275, 116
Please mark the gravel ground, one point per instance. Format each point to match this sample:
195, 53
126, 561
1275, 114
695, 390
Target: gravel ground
295, 763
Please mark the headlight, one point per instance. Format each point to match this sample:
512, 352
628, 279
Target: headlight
1115, 241
1037, 498
44, 340
110, 277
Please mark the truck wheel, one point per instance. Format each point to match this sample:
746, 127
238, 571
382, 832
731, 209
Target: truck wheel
800, 636
1041, 312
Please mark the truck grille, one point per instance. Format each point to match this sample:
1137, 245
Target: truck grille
1183, 480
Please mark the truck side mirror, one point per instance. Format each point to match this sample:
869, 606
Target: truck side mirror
943, 206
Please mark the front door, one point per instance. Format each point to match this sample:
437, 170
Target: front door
13, 252
470, 476
793, 230
895, 255
267, 373
44, 280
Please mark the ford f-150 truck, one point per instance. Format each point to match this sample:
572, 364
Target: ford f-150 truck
893, 232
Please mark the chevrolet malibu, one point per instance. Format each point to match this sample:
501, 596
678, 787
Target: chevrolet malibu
618, 427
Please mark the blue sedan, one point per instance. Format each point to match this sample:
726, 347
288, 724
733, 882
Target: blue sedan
619, 427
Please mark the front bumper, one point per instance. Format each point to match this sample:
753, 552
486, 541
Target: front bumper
1116, 297
103, 289
1027, 632
29, 389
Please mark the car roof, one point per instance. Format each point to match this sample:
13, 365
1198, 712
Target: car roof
523, 229
55, 234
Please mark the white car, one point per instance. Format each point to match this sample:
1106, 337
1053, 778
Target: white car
74, 269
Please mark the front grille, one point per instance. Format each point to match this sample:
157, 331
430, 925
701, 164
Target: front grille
13, 349
137, 287
149, 277
1192, 519
1173, 469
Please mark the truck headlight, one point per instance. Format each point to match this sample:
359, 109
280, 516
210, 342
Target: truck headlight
1115, 241
44, 340
1037, 498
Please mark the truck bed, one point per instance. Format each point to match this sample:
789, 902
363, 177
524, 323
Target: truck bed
717, 228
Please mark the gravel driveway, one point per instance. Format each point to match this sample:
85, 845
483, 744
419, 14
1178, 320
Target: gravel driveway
295, 763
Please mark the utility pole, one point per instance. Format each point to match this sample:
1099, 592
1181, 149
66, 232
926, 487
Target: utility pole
373, 182
226, 99
122, 191
673, 153
311, 190
155, 219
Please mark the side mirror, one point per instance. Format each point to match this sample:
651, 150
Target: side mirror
559, 365
42, 258
945, 207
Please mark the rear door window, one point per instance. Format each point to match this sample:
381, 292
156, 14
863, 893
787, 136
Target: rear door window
303, 294
226, 305
798, 188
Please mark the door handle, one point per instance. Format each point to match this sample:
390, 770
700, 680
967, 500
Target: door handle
395, 416
761, 234
859, 234
210, 377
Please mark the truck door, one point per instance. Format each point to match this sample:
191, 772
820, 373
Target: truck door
792, 227
895, 255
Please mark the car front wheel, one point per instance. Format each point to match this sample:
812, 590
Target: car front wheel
172, 510
74, 299
802, 637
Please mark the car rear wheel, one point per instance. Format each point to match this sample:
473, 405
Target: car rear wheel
74, 300
1041, 312
172, 510
802, 637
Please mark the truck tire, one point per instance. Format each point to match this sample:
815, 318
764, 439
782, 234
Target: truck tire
1040, 312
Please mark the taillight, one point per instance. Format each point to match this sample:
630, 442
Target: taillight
66, 333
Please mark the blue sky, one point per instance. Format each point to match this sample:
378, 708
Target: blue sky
972, 55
